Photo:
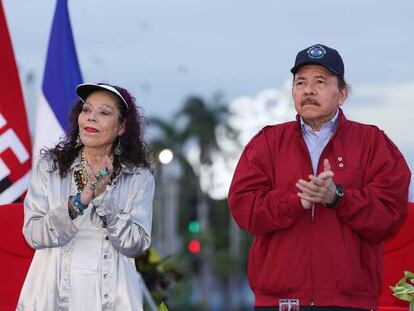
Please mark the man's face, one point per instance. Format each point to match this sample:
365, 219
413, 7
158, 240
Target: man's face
316, 95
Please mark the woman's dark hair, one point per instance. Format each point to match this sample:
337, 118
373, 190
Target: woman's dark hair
134, 148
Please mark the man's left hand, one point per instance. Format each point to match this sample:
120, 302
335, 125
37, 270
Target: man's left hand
319, 189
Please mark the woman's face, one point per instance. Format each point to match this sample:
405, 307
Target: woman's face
98, 122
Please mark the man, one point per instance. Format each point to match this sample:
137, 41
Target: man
320, 194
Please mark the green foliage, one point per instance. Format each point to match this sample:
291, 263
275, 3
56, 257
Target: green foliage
404, 289
201, 120
223, 263
159, 274
163, 307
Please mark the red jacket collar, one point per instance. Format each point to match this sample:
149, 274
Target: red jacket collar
341, 119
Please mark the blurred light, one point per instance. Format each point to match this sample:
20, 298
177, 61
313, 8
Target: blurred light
194, 226
166, 156
194, 246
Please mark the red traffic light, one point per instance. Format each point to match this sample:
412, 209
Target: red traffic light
194, 246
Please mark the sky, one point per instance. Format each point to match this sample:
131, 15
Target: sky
164, 51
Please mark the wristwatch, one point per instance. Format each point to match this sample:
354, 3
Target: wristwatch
339, 193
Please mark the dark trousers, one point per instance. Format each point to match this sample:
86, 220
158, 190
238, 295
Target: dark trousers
311, 308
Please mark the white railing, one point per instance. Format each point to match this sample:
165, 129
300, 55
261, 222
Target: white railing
147, 295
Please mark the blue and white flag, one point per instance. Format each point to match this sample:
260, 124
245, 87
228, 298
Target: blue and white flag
62, 74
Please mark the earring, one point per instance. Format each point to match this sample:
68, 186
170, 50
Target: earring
118, 148
78, 142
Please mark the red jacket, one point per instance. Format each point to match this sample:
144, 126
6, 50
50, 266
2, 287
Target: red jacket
334, 259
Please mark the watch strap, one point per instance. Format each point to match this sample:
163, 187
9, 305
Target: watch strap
339, 193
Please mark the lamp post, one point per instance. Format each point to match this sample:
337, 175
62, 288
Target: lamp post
166, 219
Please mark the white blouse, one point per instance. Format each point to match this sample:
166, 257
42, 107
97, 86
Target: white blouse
79, 265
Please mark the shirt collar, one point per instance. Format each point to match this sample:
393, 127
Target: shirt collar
332, 124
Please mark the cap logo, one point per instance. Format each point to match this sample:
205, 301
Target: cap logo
316, 52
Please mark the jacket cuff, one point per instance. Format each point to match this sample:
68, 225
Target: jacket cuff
62, 225
114, 220
294, 205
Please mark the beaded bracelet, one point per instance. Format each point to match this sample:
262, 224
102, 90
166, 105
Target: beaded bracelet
73, 212
76, 201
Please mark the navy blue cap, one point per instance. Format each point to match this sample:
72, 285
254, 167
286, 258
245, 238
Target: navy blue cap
319, 54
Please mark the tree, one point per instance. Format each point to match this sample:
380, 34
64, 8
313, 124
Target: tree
194, 128
200, 120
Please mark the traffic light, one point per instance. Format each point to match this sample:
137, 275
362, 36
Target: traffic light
194, 246
194, 227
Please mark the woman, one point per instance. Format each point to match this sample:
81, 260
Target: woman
88, 209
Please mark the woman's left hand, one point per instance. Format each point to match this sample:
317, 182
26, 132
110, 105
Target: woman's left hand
100, 176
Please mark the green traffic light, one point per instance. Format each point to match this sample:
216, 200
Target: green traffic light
194, 226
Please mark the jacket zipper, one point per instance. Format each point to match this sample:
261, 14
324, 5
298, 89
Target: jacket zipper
313, 209
311, 263
311, 167
312, 297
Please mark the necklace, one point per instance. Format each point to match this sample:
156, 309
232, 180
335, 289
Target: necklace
82, 176
85, 174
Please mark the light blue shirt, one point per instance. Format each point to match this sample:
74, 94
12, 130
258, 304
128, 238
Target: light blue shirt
317, 140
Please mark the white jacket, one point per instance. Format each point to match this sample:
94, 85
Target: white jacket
127, 204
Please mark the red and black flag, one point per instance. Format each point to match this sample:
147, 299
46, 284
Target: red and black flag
15, 146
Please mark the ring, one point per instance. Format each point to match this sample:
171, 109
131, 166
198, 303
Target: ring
103, 172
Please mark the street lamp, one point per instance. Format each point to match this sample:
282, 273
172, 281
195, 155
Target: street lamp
166, 156
166, 226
